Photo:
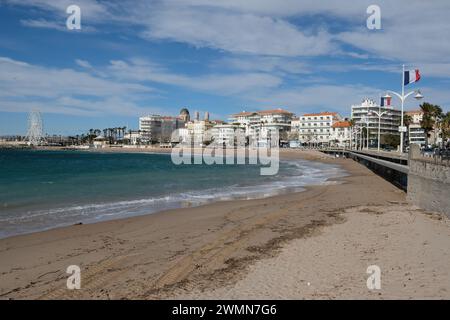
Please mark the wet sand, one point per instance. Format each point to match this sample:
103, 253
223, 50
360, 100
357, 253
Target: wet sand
244, 249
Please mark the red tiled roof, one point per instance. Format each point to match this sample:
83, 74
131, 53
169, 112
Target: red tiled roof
414, 112
244, 113
341, 124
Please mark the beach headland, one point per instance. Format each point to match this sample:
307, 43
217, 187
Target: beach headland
273, 247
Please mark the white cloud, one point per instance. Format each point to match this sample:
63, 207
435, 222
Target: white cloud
265, 64
236, 33
23, 86
42, 23
413, 31
83, 63
90, 9
265, 43
120, 88
318, 97
220, 84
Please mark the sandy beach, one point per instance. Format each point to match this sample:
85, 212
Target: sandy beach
313, 244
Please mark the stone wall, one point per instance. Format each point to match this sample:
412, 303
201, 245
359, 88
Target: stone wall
428, 182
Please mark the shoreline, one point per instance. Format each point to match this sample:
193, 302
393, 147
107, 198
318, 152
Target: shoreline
185, 251
285, 155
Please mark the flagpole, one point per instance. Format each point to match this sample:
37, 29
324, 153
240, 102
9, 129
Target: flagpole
402, 100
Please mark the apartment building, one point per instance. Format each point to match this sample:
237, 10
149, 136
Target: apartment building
365, 116
341, 134
228, 134
416, 134
259, 124
157, 128
316, 128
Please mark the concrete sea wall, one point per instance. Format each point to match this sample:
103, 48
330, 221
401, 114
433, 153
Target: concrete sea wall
429, 182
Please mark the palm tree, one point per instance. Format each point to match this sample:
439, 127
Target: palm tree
352, 125
445, 127
432, 114
407, 120
91, 135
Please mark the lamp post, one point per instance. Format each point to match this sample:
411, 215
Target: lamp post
357, 130
379, 114
366, 120
402, 98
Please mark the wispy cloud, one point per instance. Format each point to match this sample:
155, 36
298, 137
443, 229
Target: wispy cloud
83, 63
219, 84
23, 86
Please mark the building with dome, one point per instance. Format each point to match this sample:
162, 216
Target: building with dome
184, 115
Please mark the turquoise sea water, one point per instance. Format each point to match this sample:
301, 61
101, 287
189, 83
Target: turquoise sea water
45, 189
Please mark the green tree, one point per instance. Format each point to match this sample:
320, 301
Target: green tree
392, 140
445, 126
407, 120
432, 115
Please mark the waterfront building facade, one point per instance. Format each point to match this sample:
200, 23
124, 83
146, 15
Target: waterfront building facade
341, 134
158, 129
364, 116
227, 134
316, 128
259, 124
416, 134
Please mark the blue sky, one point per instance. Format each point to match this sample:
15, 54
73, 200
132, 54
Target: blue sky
134, 58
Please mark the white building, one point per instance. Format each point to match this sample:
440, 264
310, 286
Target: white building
133, 136
316, 128
100, 142
157, 128
341, 134
198, 130
259, 124
150, 127
416, 134
365, 116
227, 134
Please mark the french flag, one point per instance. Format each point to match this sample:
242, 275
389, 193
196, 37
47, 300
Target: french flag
411, 76
385, 101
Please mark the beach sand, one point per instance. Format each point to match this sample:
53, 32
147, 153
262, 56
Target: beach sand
313, 244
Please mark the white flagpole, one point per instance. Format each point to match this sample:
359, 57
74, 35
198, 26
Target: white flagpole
402, 100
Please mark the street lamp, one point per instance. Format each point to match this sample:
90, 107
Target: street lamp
366, 120
379, 114
357, 130
418, 95
402, 98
